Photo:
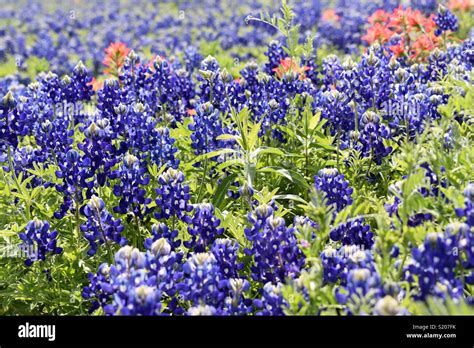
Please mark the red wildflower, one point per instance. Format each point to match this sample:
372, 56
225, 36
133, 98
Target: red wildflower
417, 19
289, 65
423, 45
398, 50
330, 15
115, 57
378, 33
379, 16
398, 19
416, 32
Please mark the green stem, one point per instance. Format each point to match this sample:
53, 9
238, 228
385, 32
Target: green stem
17, 184
371, 157
107, 246
138, 239
78, 226
405, 256
203, 181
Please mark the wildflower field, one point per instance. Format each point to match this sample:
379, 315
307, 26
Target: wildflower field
237, 157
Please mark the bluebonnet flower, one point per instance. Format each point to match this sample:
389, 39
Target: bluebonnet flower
161, 230
204, 228
445, 20
131, 190
192, 58
99, 152
8, 136
38, 241
24, 159
437, 65
52, 85
185, 92
275, 251
74, 181
203, 282
362, 291
173, 196
434, 266
101, 227
165, 83
212, 88
374, 78
94, 291
372, 137
336, 189
133, 75
137, 282
108, 99
165, 267
164, 151
271, 301
226, 252
307, 12
54, 137
139, 131
339, 114
338, 262
127, 283
344, 30
312, 72
138, 300
32, 109
468, 211
275, 53
334, 265
78, 87
206, 127
353, 232
465, 247
331, 70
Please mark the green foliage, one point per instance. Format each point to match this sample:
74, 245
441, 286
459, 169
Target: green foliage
9, 67
435, 306
36, 65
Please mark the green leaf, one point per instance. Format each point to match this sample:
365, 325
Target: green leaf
7, 233
267, 150
209, 155
253, 136
314, 120
227, 137
291, 198
291, 175
221, 190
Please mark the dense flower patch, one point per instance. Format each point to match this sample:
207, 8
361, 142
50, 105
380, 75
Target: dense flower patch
242, 165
